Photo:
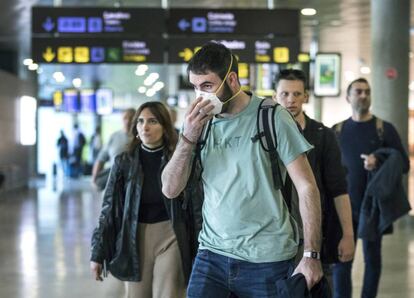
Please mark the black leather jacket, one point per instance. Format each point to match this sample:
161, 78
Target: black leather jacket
114, 241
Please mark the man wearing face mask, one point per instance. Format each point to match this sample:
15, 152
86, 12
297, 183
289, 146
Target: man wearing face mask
247, 241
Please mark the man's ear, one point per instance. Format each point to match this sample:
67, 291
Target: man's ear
274, 97
233, 81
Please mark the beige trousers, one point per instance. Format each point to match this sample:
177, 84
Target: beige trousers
160, 261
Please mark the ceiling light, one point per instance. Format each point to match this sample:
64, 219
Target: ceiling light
365, 70
27, 61
152, 77
308, 11
158, 86
58, 76
142, 89
150, 92
141, 70
77, 82
33, 66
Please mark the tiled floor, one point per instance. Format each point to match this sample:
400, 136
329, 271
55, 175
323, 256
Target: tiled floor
45, 237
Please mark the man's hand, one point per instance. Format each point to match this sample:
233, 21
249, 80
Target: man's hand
96, 269
370, 161
311, 269
196, 116
346, 248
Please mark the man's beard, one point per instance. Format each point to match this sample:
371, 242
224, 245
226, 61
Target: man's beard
227, 94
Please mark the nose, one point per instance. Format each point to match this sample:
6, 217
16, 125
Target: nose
291, 98
145, 125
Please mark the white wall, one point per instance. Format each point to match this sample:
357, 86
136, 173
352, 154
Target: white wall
14, 158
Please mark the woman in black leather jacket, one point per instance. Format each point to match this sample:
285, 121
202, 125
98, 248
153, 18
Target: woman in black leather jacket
142, 237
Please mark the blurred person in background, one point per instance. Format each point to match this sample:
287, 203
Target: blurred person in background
76, 163
63, 152
117, 144
95, 144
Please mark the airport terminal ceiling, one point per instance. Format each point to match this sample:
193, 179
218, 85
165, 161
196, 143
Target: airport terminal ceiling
336, 17
342, 25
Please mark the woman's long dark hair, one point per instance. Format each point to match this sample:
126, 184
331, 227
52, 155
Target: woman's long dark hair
160, 112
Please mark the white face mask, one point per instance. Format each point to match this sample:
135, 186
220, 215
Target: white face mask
218, 104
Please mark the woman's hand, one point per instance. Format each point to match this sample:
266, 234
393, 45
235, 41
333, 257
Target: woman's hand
96, 269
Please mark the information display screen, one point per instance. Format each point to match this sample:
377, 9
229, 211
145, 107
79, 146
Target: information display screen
97, 50
104, 101
87, 101
248, 50
98, 20
282, 22
71, 103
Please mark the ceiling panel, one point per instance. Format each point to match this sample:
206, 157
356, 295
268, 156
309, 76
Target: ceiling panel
345, 21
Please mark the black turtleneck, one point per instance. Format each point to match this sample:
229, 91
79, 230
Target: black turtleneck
152, 208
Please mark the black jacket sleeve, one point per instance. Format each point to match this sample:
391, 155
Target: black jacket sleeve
392, 140
333, 173
105, 223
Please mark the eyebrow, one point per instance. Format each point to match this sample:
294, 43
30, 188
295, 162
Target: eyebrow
202, 84
150, 118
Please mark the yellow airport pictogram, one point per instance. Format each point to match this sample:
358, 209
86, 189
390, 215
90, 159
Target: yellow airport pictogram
135, 58
303, 57
65, 55
243, 70
186, 54
58, 99
81, 54
281, 55
262, 58
49, 55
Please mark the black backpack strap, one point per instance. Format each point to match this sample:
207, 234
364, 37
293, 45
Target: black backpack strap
268, 139
266, 134
337, 128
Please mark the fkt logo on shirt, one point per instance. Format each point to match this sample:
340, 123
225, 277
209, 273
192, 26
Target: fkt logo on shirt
231, 142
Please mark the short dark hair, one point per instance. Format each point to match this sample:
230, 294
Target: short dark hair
212, 57
359, 80
291, 75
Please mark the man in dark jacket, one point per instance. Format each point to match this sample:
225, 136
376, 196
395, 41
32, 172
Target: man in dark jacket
325, 160
359, 136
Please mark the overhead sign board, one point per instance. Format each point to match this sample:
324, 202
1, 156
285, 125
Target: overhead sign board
92, 20
248, 50
97, 50
281, 22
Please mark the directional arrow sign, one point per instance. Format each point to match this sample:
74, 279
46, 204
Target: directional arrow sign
48, 25
187, 54
49, 55
183, 24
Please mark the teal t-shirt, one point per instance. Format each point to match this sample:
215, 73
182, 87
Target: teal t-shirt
244, 217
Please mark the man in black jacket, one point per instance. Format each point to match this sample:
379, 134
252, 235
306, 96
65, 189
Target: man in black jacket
325, 160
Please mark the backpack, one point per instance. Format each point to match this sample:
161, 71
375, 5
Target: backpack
266, 134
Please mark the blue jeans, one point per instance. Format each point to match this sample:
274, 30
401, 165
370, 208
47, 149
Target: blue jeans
217, 276
342, 282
